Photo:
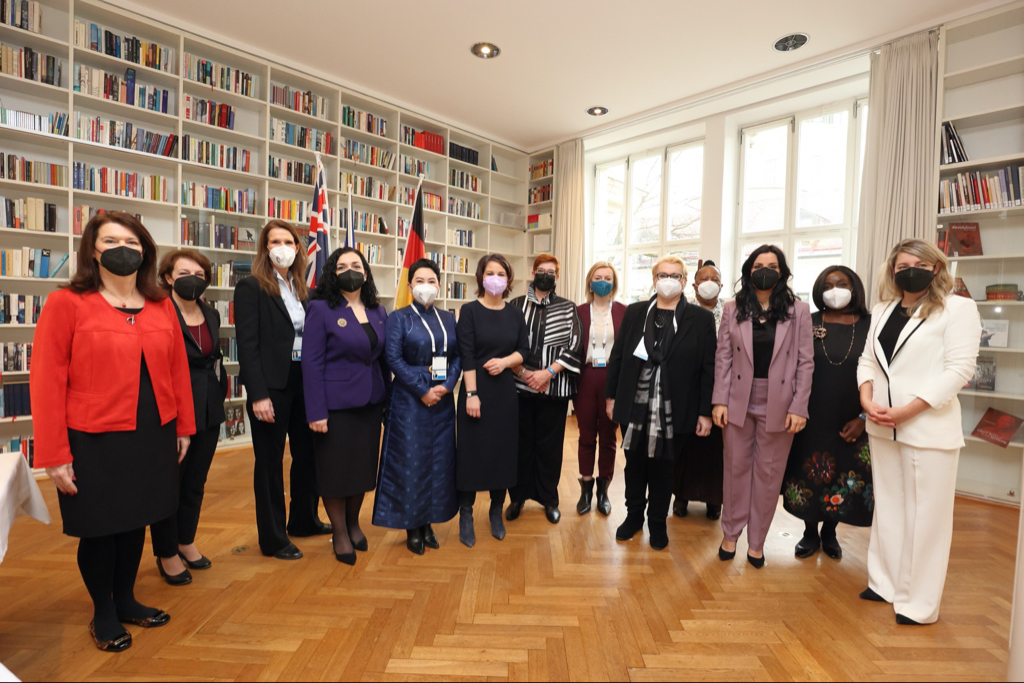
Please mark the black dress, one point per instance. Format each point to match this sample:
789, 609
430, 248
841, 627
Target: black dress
126, 480
828, 479
487, 453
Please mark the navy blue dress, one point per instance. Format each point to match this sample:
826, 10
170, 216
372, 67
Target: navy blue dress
416, 484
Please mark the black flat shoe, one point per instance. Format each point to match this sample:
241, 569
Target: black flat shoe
513, 511
362, 546
414, 542
552, 513
755, 562
202, 563
714, 512
807, 547
119, 644
319, 529
832, 548
289, 552
628, 529
868, 594
156, 621
182, 579
725, 555
680, 508
584, 505
907, 621
604, 506
429, 538
346, 558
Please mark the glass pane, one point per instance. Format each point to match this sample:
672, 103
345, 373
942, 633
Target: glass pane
821, 170
764, 179
749, 248
813, 256
685, 183
639, 278
609, 218
645, 200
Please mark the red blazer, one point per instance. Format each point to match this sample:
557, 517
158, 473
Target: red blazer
618, 312
86, 361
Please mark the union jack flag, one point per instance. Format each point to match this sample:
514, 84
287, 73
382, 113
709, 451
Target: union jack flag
319, 229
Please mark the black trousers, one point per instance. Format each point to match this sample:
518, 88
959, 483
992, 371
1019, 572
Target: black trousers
180, 529
268, 440
467, 499
648, 476
541, 437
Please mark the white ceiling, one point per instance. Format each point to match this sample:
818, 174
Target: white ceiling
558, 57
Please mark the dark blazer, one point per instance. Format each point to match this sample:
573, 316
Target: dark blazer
265, 337
208, 392
691, 365
618, 313
339, 369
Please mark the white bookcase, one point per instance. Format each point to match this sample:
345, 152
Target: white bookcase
542, 207
981, 91
500, 196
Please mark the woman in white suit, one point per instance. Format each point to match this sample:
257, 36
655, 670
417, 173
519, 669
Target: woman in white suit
921, 350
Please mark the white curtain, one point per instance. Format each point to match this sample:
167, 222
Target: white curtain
897, 199
568, 219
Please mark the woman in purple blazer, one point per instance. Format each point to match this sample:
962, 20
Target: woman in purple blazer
765, 349
346, 380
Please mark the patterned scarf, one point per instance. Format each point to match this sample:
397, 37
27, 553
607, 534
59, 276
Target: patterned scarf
652, 409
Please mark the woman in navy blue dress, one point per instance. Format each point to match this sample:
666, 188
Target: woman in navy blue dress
416, 486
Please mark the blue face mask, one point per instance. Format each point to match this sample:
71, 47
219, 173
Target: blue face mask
601, 287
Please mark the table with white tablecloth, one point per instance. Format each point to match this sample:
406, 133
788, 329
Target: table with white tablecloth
19, 495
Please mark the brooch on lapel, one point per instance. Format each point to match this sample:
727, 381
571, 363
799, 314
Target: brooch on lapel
819, 332
342, 322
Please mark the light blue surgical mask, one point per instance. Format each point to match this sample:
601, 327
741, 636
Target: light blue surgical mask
601, 287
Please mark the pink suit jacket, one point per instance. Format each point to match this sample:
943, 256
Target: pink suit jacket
789, 377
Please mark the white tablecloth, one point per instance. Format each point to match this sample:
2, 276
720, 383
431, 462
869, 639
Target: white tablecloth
19, 495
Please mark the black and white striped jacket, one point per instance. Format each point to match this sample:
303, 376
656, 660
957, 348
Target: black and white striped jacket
555, 334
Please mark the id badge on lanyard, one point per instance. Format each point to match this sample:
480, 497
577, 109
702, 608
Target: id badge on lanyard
439, 368
598, 359
439, 363
297, 347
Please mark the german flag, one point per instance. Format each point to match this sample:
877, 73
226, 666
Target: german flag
414, 250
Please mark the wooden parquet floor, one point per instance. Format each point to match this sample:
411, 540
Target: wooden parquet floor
561, 602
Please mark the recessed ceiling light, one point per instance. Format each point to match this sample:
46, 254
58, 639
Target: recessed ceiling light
791, 42
486, 50
597, 111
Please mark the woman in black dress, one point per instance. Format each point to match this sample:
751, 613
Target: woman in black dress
828, 475
492, 339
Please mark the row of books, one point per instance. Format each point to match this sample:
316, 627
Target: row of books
229, 347
129, 48
215, 154
226, 199
22, 169
364, 121
228, 274
538, 221
124, 89
437, 257
364, 221
235, 387
407, 195
462, 238
31, 213
221, 76
307, 102
353, 150
542, 169
209, 112
432, 202
24, 62
978, 190
953, 151
20, 309
226, 310
365, 186
374, 253
114, 181
413, 166
539, 194
17, 357
457, 206
23, 14
432, 142
15, 400
457, 290
125, 135
457, 264
81, 215
25, 445
465, 154
27, 262
218, 236
295, 210
54, 124
464, 180
301, 136
291, 170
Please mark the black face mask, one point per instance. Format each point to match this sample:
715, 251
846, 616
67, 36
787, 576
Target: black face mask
351, 280
765, 279
914, 280
544, 282
190, 287
121, 261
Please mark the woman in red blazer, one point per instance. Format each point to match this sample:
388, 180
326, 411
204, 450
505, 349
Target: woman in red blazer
600, 319
113, 414
765, 349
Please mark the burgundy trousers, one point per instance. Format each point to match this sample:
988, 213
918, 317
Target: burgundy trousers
593, 422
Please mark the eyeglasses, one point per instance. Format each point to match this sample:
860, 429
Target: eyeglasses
666, 276
546, 272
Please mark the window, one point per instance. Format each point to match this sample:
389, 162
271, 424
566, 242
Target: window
647, 206
800, 187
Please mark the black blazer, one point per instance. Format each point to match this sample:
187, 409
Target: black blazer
691, 365
208, 392
265, 337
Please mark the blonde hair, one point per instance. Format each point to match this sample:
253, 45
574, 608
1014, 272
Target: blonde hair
673, 259
590, 276
934, 298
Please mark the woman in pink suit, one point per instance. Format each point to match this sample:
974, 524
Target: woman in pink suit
765, 349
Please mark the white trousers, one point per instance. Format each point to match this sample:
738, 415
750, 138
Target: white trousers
912, 527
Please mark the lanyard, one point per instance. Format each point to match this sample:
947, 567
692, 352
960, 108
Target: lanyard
675, 323
607, 323
433, 343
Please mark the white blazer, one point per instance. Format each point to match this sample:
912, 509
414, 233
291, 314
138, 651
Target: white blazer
934, 359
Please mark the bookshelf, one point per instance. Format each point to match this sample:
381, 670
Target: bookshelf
541, 202
981, 93
219, 98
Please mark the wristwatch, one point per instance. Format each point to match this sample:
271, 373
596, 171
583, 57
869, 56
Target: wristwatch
470, 394
521, 372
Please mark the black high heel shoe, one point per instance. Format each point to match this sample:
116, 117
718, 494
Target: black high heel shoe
430, 538
755, 562
362, 546
414, 542
725, 555
182, 579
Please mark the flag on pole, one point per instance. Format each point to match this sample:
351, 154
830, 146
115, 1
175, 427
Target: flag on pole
319, 229
414, 249
350, 220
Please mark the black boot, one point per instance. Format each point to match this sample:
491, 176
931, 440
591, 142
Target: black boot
659, 533
586, 496
679, 507
415, 540
629, 528
713, 512
466, 533
430, 538
497, 525
604, 506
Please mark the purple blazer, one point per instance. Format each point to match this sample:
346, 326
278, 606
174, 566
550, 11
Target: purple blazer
789, 376
339, 369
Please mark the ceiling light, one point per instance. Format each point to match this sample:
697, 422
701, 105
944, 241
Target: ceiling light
597, 111
791, 42
486, 50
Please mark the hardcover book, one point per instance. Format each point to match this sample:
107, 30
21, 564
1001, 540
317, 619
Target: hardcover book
995, 334
964, 239
997, 427
984, 375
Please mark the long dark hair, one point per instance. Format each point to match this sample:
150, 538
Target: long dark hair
858, 302
329, 289
87, 276
747, 305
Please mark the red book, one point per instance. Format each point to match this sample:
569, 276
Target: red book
964, 239
997, 427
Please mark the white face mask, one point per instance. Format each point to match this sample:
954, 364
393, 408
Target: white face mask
709, 290
424, 294
837, 298
283, 256
669, 288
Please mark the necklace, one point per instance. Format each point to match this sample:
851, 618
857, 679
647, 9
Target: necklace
853, 335
123, 302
